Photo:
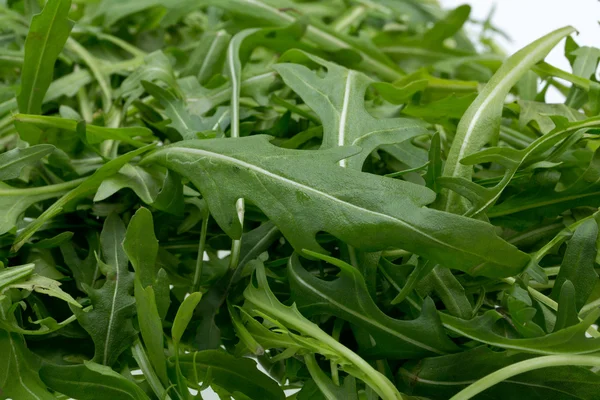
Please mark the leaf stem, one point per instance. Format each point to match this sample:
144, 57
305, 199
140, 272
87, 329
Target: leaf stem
200, 257
521, 367
93, 65
56, 188
143, 362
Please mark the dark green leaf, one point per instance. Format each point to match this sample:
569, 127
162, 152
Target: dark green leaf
47, 35
90, 381
299, 185
109, 322
231, 374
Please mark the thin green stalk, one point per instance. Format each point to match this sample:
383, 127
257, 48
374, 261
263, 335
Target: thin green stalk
200, 257
131, 49
522, 367
349, 18
319, 377
337, 331
85, 105
514, 138
234, 258
560, 238
406, 171
140, 356
544, 69
94, 66
382, 385
56, 188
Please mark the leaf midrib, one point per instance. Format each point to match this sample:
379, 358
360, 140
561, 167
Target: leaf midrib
20, 159
412, 376
111, 317
369, 321
260, 170
42, 55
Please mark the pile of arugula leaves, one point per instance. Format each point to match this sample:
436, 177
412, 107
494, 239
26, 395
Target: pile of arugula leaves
342, 199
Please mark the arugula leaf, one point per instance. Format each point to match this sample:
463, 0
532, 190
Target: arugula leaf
348, 199
18, 361
481, 121
262, 299
438, 378
47, 35
578, 263
235, 375
91, 381
322, 191
347, 298
82, 188
109, 322
338, 99
13, 161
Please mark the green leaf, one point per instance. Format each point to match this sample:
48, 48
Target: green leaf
317, 189
109, 322
522, 314
86, 187
47, 35
481, 121
170, 197
113, 10
43, 285
449, 290
567, 309
371, 58
255, 242
541, 112
439, 377
247, 342
86, 271
14, 274
184, 315
207, 59
93, 134
421, 270
90, 381
327, 387
187, 124
14, 201
578, 263
151, 329
10, 321
144, 182
571, 340
141, 247
347, 297
53, 242
13, 161
447, 27
482, 198
449, 107
234, 375
338, 98
264, 303
156, 67
19, 378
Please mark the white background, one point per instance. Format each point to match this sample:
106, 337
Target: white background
526, 20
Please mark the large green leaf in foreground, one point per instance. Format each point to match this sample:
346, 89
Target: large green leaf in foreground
305, 192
